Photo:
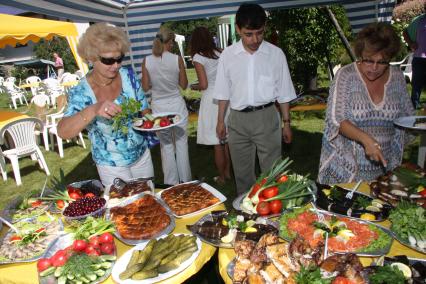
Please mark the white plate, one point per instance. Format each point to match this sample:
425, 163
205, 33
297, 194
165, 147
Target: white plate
122, 262
204, 185
138, 123
410, 122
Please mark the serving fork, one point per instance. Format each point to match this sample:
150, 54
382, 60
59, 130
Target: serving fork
350, 194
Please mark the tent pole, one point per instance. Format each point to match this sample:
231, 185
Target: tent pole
340, 33
126, 24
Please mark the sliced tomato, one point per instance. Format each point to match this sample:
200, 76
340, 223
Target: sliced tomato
341, 280
270, 192
60, 204
282, 179
276, 206
263, 208
36, 203
43, 264
40, 230
15, 239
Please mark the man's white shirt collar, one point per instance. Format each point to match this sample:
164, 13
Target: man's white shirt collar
240, 48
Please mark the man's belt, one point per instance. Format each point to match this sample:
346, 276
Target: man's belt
255, 108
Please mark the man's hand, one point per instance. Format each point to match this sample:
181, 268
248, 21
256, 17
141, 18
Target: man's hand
221, 130
287, 133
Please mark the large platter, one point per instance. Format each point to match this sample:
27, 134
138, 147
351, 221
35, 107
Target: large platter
55, 235
122, 262
376, 252
230, 268
12, 208
412, 122
236, 203
137, 124
345, 208
61, 243
207, 187
132, 242
216, 242
406, 242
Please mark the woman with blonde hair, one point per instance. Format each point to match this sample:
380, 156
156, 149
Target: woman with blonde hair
163, 73
98, 98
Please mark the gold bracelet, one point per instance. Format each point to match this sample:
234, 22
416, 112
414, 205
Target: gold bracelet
82, 116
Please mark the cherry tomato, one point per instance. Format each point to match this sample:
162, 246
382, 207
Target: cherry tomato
94, 242
263, 208
270, 192
107, 248
106, 238
15, 238
91, 250
79, 245
60, 204
71, 189
43, 264
283, 178
148, 124
275, 206
74, 195
341, 280
59, 258
164, 122
36, 203
89, 195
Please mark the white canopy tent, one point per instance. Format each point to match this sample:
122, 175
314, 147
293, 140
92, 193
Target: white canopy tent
142, 18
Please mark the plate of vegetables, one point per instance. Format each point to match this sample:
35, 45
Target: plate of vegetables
361, 206
157, 121
26, 207
409, 225
275, 191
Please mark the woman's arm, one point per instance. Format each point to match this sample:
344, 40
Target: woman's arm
183, 80
202, 78
146, 82
371, 147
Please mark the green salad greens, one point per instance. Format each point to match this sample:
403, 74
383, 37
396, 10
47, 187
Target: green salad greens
311, 275
387, 275
129, 109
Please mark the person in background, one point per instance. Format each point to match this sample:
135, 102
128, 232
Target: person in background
59, 65
360, 141
94, 102
415, 37
252, 74
163, 73
205, 56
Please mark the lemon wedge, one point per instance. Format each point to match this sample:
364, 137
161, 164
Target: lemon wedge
403, 268
250, 230
250, 223
326, 192
224, 222
368, 217
345, 234
372, 208
229, 237
339, 224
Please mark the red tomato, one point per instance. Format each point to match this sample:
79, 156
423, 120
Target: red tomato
36, 203
91, 250
254, 190
60, 204
423, 193
275, 206
75, 195
40, 230
106, 238
261, 198
89, 195
283, 178
71, 189
263, 208
43, 264
59, 258
79, 245
164, 122
148, 124
94, 242
270, 192
15, 238
341, 280
107, 248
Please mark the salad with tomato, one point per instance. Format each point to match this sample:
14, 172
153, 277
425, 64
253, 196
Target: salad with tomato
276, 190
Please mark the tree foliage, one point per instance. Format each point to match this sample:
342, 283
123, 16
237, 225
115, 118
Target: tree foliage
308, 37
44, 49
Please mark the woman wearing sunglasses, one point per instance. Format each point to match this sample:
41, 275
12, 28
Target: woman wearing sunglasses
360, 141
163, 73
96, 100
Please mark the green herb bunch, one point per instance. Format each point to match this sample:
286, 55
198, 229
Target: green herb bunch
129, 109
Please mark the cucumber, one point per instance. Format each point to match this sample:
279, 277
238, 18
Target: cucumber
100, 272
106, 265
95, 266
91, 276
70, 276
126, 274
62, 279
47, 271
149, 117
144, 274
108, 257
58, 271
84, 279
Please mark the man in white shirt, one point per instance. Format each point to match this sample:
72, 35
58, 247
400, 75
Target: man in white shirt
252, 75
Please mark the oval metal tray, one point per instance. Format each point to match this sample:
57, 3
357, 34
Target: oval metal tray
12, 208
406, 242
132, 242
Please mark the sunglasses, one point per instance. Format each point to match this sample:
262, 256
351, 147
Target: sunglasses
369, 62
111, 60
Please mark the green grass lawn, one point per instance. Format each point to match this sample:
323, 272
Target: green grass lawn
78, 165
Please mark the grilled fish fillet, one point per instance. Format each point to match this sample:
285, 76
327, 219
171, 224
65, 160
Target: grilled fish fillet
279, 256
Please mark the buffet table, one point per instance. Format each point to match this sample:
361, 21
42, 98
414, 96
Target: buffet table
27, 272
227, 255
9, 116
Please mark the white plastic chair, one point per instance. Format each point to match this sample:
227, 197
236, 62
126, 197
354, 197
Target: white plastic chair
15, 93
54, 89
405, 66
31, 80
22, 133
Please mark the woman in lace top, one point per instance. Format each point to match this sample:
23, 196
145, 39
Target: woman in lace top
360, 141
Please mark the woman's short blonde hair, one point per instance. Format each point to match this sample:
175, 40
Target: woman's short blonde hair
100, 38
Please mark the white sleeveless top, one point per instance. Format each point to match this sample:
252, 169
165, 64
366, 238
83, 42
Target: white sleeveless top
164, 75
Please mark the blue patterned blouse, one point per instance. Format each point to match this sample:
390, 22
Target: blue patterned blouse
111, 148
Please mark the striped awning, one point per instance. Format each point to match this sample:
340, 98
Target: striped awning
142, 18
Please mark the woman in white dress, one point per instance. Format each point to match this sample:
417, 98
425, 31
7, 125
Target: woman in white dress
205, 57
163, 73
